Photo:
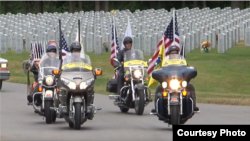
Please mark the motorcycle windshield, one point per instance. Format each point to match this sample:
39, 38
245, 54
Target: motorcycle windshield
174, 59
174, 66
134, 57
76, 63
49, 61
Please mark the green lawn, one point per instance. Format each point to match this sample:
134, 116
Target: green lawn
222, 78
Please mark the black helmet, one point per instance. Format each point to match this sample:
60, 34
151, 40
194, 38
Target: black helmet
75, 45
51, 48
173, 48
127, 39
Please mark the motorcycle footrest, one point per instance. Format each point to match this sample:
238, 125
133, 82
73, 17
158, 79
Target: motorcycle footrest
98, 108
197, 112
153, 113
53, 109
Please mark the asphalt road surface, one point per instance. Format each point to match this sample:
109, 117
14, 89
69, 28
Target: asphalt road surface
20, 123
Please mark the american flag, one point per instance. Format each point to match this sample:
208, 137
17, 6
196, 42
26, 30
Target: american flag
36, 51
114, 45
168, 35
169, 39
65, 49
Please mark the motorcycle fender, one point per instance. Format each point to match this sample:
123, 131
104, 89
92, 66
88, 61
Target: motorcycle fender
139, 86
77, 99
48, 95
174, 100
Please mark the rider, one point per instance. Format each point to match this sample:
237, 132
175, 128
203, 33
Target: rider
75, 49
51, 60
127, 42
173, 52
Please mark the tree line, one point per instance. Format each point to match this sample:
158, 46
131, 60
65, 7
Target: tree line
25, 7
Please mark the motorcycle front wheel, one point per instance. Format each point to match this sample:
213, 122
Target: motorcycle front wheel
139, 102
77, 116
47, 112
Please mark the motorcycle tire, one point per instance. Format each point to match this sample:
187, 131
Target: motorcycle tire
139, 104
47, 112
175, 114
77, 116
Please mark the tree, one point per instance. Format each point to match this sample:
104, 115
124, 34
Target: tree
79, 5
204, 3
40, 6
71, 6
97, 5
106, 6
183, 4
152, 4
195, 4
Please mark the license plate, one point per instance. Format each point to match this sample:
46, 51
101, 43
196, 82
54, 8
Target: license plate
48, 93
174, 99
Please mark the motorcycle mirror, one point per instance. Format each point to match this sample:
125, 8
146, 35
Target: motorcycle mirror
116, 62
98, 71
149, 60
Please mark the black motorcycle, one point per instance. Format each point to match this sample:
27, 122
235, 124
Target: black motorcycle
174, 97
134, 94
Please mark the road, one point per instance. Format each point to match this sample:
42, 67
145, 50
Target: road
20, 123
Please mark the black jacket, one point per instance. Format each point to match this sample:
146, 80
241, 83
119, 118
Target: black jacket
120, 57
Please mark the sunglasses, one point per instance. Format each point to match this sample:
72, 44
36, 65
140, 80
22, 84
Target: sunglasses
54, 51
128, 42
77, 50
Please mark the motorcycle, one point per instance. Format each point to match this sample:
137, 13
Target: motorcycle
134, 94
174, 102
76, 81
47, 88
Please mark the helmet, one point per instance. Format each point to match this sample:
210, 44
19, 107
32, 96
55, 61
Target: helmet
75, 45
173, 48
50, 48
127, 39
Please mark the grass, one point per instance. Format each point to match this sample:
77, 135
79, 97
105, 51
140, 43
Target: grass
222, 78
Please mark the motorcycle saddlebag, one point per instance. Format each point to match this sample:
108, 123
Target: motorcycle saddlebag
112, 86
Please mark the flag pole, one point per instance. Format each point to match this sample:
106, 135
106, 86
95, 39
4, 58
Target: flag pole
114, 30
115, 37
60, 44
79, 30
173, 26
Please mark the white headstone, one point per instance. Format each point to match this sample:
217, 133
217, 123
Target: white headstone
188, 42
3, 46
247, 36
221, 43
147, 46
98, 45
90, 41
19, 46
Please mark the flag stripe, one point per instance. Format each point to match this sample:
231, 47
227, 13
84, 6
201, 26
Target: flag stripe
169, 39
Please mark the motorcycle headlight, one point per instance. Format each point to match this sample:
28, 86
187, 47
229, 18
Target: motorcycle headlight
85, 84
49, 80
174, 84
137, 73
164, 85
3, 65
184, 84
70, 84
